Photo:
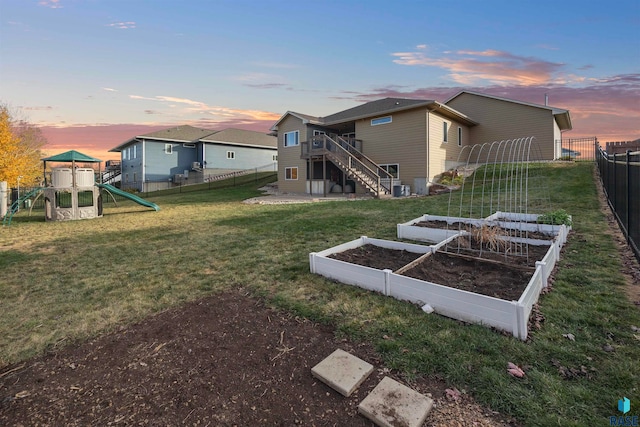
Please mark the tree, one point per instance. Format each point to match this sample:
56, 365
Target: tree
20, 149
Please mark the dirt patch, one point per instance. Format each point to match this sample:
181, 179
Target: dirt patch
510, 253
471, 274
222, 361
376, 257
461, 226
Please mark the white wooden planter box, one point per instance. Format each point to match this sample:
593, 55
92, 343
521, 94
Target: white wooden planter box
510, 316
502, 219
525, 222
433, 235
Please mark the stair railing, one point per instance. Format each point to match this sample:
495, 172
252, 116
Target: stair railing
353, 160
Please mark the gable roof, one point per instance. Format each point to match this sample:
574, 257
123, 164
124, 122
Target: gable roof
375, 108
305, 118
190, 134
72, 156
378, 108
562, 116
183, 133
243, 137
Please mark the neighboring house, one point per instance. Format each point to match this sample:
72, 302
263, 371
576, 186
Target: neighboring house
186, 154
381, 144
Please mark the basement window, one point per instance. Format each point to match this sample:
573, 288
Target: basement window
381, 121
291, 174
393, 169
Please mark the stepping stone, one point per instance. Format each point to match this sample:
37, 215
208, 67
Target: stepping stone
392, 404
342, 371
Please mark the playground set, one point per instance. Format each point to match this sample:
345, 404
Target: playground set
71, 193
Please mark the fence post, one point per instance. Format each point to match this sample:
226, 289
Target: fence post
628, 168
615, 187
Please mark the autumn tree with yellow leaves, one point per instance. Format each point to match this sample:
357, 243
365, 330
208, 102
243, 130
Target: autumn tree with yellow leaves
20, 150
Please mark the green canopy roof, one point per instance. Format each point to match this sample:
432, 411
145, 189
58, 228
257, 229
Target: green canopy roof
72, 156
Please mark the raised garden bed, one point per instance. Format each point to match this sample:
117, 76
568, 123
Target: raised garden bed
473, 302
435, 228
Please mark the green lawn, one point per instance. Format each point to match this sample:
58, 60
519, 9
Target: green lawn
63, 282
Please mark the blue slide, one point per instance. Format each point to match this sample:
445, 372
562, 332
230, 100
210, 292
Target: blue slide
138, 200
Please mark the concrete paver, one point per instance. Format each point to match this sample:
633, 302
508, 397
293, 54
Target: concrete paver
342, 371
392, 404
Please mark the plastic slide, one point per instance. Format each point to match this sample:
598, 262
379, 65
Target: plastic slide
138, 200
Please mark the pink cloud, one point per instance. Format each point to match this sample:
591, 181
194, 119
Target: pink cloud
493, 66
220, 113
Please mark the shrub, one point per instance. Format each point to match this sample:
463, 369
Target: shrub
555, 218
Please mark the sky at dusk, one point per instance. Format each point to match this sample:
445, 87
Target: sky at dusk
94, 73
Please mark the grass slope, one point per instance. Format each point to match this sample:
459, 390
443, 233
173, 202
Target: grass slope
63, 282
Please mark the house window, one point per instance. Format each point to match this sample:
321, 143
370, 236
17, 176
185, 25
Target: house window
275, 157
189, 145
459, 136
126, 177
393, 169
291, 138
319, 132
291, 173
135, 177
231, 155
135, 151
381, 121
445, 132
168, 148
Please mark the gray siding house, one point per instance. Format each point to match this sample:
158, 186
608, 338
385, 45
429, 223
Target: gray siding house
186, 154
377, 146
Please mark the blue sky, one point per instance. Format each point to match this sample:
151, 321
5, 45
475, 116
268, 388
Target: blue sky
93, 73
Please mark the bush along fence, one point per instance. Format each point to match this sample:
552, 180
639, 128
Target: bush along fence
620, 175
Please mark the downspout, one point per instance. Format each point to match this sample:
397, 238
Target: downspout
428, 146
144, 166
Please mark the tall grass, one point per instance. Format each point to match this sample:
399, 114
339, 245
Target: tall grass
63, 282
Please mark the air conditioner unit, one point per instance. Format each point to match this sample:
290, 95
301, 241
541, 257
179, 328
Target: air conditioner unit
195, 165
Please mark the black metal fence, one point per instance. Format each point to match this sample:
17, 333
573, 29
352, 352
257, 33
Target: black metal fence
15, 193
577, 148
620, 174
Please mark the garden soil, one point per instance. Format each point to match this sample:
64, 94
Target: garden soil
227, 360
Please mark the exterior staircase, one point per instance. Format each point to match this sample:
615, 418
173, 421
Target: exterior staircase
109, 176
353, 163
